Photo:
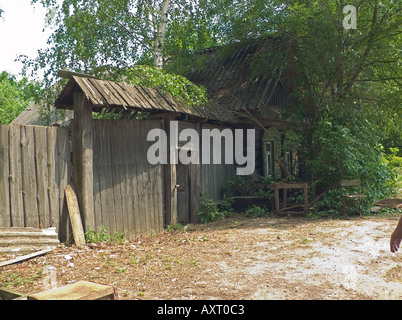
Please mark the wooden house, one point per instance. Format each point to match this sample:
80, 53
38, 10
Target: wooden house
237, 99
106, 160
256, 93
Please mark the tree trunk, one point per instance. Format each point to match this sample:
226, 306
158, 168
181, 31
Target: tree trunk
160, 37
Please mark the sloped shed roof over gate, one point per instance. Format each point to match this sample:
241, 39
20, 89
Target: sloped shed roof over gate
104, 94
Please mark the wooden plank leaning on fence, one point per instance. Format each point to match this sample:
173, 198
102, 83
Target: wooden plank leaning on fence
75, 216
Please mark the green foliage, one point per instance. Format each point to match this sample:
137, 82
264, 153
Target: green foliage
330, 205
103, 235
92, 236
392, 159
11, 279
349, 148
178, 86
209, 210
120, 33
174, 227
256, 185
233, 186
345, 84
226, 207
256, 212
226, 204
91, 36
15, 96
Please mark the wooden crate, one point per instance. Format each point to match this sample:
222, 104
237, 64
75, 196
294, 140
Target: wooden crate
81, 290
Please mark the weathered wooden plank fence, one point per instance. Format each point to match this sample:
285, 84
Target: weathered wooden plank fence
35, 166
129, 194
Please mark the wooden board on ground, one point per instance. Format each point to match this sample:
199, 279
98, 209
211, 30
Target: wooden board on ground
81, 290
26, 257
75, 217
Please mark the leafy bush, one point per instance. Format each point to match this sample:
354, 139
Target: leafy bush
256, 211
226, 205
256, 185
349, 148
103, 235
15, 96
178, 86
392, 159
233, 186
209, 211
174, 227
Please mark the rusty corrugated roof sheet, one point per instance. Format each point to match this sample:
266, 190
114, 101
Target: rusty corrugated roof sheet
110, 94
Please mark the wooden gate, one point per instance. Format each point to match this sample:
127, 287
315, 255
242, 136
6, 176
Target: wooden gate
128, 194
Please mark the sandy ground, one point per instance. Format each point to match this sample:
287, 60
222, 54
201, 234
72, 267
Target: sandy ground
237, 258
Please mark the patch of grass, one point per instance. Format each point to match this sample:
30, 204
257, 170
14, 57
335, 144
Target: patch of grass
256, 211
120, 270
15, 279
103, 235
306, 241
394, 274
174, 227
193, 262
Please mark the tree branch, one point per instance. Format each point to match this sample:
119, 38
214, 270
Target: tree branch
126, 29
370, 41
380, 80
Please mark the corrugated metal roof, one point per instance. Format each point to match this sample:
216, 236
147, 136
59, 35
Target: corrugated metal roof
110, 94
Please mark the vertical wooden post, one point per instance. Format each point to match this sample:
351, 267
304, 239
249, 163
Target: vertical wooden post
306, 198
285, 197
83, 159
5, 214
170, 180
276, 188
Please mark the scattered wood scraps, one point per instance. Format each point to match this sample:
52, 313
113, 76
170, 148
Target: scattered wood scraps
26, 257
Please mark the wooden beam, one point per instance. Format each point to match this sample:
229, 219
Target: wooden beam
25, 257
83, 159
75, 217
170, 190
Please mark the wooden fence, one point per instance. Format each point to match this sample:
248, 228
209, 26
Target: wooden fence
35, 167
128, 193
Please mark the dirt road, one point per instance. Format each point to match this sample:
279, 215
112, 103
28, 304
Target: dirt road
237, 258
